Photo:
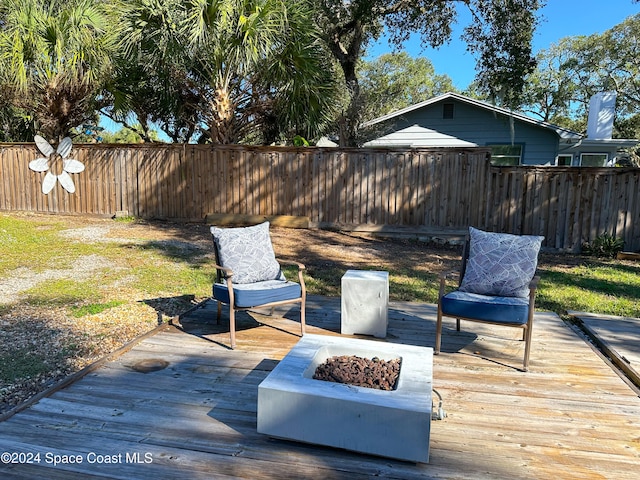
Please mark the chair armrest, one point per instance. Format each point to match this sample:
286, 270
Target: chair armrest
444, 276
227, 272
301, 268
533, 285
292, 262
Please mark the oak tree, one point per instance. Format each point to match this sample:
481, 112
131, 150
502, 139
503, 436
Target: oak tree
499, 35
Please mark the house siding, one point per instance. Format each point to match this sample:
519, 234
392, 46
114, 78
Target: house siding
540, 145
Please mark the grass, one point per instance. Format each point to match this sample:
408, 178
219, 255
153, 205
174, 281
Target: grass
94, 308
593, 285
404, 284
30, 365
146, 268
61, 292
161, 267
610, 287
45, 250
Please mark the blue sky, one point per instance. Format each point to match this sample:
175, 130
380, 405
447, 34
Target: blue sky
561, 18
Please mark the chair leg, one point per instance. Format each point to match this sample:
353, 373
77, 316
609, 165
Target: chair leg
302, 317
528, 330
232, 326
219, 311
527, 347
436, 350
458, 324
232, 313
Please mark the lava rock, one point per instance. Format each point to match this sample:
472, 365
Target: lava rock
359, 371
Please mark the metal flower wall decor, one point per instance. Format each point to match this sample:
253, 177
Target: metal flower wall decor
56, 164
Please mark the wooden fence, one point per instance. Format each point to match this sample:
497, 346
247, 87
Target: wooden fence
432, 191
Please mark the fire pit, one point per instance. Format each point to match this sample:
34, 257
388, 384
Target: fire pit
395, 423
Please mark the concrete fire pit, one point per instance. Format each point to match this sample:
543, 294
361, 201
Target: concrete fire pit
396, 424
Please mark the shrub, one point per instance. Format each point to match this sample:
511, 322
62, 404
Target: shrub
604, 245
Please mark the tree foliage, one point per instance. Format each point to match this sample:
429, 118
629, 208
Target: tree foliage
225, 70
571, 71
397, 80
214, 70
500, 36
151, 82
549, 91
576, 68
263, 71
54, 60
15, 124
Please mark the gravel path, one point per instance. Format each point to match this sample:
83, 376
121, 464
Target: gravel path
23, 278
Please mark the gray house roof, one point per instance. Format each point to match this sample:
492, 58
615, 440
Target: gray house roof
562, 132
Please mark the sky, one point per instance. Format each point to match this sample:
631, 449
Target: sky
560, 18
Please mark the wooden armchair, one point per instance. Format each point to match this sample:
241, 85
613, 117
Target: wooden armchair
249, 276
504, 300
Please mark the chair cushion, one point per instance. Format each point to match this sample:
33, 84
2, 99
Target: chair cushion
500, 264
513, 310
255, 294
248, 252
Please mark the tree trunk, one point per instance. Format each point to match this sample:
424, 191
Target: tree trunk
222, 121
351, 118
347, 56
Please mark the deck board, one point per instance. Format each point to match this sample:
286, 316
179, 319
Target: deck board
570, 416
618, 337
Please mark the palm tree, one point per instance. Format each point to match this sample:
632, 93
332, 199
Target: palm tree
152, 83
55, 57
242, 69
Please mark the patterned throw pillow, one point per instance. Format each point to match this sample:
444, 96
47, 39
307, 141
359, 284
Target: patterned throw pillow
500, 264
248, 252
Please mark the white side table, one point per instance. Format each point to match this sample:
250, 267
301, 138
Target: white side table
365, 303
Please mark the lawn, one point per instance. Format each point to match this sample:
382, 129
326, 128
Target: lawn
594, 285
73, 289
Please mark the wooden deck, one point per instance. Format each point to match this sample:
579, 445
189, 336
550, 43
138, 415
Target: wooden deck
570, 416
617, 337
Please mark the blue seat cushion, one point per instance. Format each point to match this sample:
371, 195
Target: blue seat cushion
514, 310
254, 294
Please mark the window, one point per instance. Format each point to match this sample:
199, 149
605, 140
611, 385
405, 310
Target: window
564, 160
505, 155
594, 159
447, 111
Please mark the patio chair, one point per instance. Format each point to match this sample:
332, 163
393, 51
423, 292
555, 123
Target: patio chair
248, 275
497, 284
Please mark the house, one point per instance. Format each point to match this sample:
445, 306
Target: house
454, 120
